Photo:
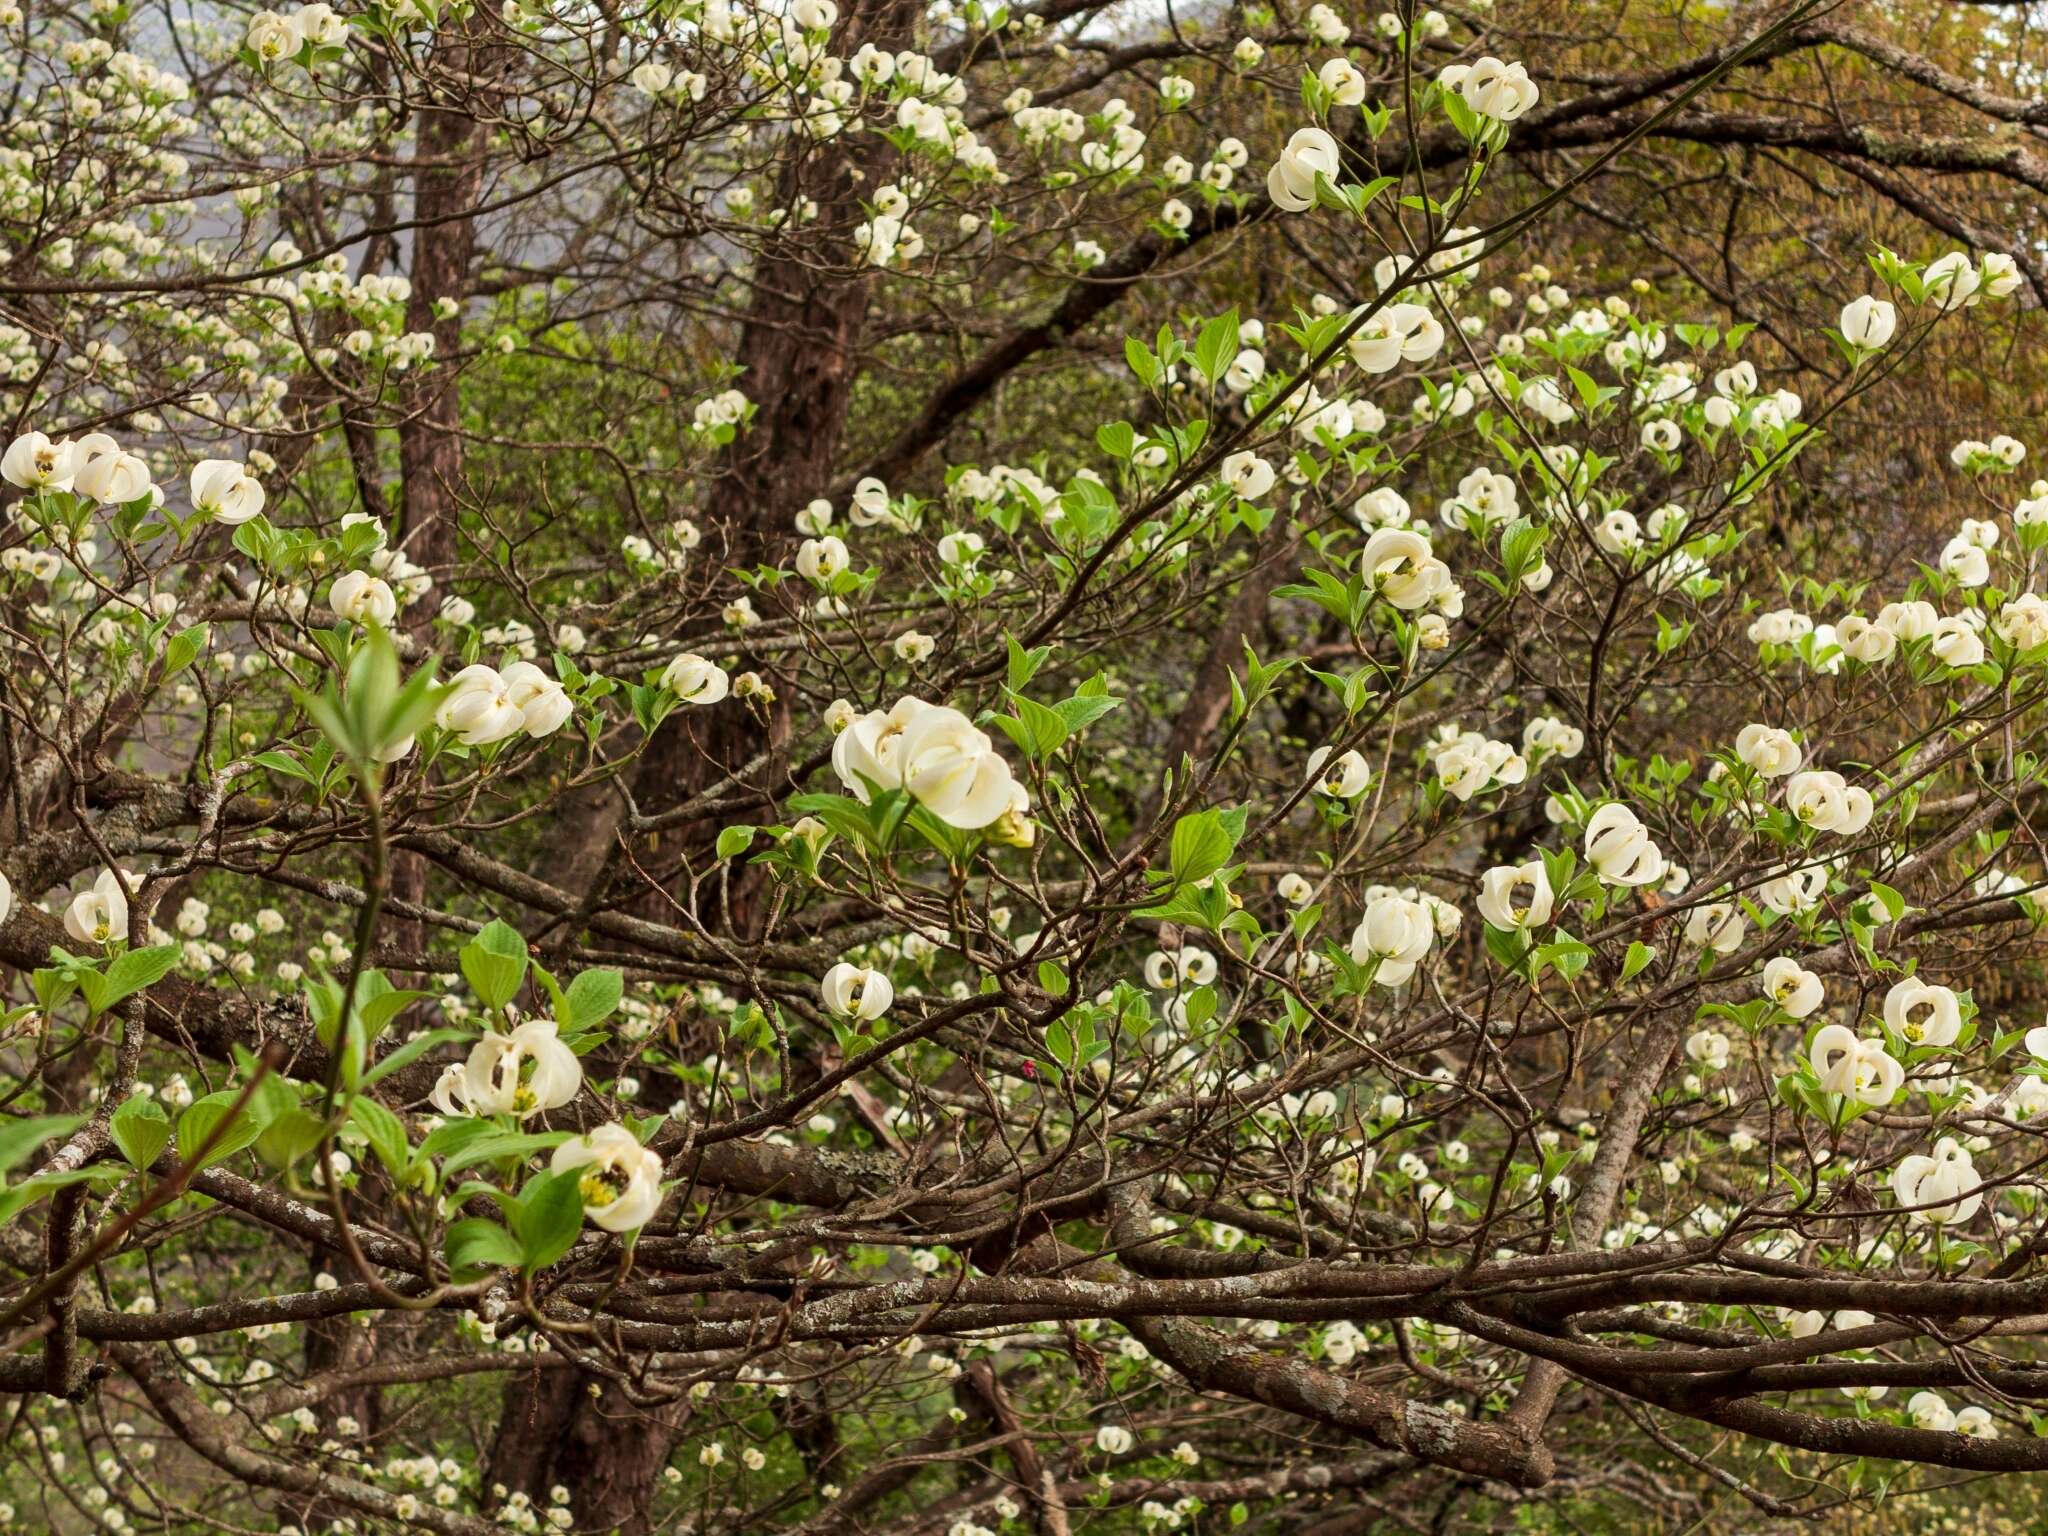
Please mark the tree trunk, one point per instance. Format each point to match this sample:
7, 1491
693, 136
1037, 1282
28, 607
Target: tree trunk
447, 181
799, 346
799, 349
609, 1455
448, 178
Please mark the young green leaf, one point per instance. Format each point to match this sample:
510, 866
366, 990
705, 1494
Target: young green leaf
141, 1130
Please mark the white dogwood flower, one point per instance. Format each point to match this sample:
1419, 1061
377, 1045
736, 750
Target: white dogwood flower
522, 1073
100, 913
619, 1179
1516, 896
855, 992
1619, 848
694, 680
225, 491
1854, 1067
360, 598
1291, 183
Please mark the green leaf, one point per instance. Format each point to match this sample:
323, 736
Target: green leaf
92, 986
591, 999
1509, 950
286, 764
733, 840
1083, 710
1639, 955
199, 1122
1141, 361
255, 538
1044, 729
412, 1051
1119, 441
476, 1245
547, 1217
378, 1003
290, 1137
137, 969
53, 985
1568, 956
452, 1136
954, 843
843, 815
497, 1144
1588, 389
553, 988
373, 1006
385, 1133
1216, 347
141, 1130
183, 647
1202, 844
1521, 547
494, 963
18, 1138
20, 1197
1023, 664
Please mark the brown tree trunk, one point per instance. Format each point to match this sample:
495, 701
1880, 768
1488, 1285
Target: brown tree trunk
448, 178
609, 1456
334, 1344
799, 346
799, 349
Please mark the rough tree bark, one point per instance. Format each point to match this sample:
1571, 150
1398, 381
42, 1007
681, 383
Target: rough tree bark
552, 1431
450, 148
799, 346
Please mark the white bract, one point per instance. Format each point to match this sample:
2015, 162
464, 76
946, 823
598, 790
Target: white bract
1854, 1067
225, 491
1516, 896
361, 598
694, 680
1921, 1013
1770, 751
522, 1073
99, 914
108, 475
1491, 88
1469, 763
1794, 989
1291, 183
1404, 570
1395, 935
936, 754
484, 705
1944, 1185
1825, 801
619, 1180
1868, 322
35, 463
1619, 848
855, 992
1345, 777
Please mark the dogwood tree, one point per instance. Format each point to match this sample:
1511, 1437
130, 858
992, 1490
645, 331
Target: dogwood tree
941, 768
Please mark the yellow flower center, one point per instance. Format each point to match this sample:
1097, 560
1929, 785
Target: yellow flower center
600, 1187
